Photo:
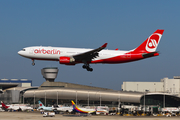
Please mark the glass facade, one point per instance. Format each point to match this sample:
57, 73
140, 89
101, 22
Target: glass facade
159, 100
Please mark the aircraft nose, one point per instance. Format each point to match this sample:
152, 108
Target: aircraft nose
19, 52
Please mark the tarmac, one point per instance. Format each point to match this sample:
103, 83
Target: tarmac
39, 116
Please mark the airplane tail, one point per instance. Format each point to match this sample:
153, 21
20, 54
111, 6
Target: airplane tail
76, 109
73, 104
150, 44
41, 104
3, 105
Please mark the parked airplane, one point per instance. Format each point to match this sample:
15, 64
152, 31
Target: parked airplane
64, 109
72, 56
42, 107
15, 107
82, 110
102, 110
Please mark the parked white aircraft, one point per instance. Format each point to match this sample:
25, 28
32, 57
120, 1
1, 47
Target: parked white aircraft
64, 109
102, 110
72, 56
15, 107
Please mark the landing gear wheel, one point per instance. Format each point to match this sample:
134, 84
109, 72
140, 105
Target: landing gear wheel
84, 66
33, 64
89, 69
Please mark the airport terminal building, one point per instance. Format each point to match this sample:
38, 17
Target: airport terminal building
51, 92
171, 86
10, 89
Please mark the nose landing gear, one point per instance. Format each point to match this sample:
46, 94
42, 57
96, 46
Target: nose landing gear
33, 62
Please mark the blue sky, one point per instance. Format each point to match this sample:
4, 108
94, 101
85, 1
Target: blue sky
123, 24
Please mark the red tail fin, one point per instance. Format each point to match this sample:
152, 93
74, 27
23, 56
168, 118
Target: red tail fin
3, 105
151, 43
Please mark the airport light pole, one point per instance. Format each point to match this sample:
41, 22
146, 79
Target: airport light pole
100, 99
119, 103
144, 103
23, 98
34, 99
88, 98
45, 98
57, 98
164, 100
76, 97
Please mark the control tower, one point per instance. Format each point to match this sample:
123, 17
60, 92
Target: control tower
49, 73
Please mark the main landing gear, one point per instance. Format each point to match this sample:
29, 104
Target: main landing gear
87, 67
33, 62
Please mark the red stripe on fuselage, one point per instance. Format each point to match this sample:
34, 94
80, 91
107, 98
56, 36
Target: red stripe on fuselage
128, 57
120, 59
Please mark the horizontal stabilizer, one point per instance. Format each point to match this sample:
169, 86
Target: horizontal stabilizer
145, 55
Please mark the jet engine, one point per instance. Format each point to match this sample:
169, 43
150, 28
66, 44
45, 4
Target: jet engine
66, 60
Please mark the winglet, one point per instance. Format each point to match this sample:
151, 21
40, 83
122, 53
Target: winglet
104, 45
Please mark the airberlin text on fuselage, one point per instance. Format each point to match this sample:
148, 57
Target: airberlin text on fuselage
44, 51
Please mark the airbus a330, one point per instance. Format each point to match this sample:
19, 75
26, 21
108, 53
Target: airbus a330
73, 56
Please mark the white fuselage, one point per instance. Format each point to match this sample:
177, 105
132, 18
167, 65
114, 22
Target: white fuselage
16, 107
64, 109
53, 53
45, 108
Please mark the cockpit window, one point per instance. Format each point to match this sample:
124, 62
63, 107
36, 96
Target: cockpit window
23, 49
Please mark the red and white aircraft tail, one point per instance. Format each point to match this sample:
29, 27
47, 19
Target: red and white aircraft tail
4, 106
72, 56
151, 43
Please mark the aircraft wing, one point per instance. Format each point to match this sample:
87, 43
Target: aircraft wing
89, 55
91, 112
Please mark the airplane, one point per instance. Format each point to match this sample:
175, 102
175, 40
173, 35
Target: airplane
102, 110
64, 109
82, 110
73, 56
15, 107
42, 107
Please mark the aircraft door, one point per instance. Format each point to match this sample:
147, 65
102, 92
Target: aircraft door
31, 51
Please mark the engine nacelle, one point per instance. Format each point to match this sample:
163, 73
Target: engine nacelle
66, 60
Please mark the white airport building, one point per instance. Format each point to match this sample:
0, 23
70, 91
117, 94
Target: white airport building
161, 94
166, 85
